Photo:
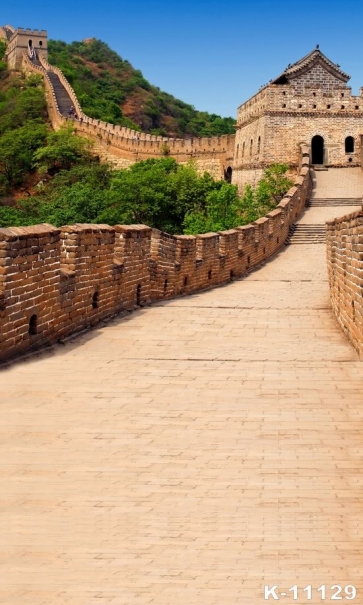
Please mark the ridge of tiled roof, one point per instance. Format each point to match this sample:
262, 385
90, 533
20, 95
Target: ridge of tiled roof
310, 58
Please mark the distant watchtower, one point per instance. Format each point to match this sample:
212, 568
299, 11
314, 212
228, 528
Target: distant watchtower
23, 40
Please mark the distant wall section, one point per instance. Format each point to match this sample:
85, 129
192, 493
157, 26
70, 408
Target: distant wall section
123, 146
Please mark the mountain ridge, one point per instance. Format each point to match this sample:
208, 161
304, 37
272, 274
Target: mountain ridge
109, 88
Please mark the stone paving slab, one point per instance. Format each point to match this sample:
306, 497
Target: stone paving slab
190, 453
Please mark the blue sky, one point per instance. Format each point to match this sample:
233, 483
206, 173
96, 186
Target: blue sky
214, 55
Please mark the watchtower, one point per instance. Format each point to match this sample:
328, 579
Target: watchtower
24, 40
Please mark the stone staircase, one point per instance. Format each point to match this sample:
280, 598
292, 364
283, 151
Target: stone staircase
315, 233
323, 202
35, 61
306, 234
63, 99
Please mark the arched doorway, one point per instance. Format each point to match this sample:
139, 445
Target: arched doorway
228, 175
317, 150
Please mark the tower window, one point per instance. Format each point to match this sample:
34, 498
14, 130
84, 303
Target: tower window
349, 145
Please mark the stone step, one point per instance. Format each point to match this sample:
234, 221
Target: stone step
323, 202
63, 99
306, 234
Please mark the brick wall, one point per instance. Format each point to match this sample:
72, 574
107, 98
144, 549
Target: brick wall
345, 270
283, 134
317, 75
55, 282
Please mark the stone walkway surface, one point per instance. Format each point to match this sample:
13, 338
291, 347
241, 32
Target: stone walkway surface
193, 452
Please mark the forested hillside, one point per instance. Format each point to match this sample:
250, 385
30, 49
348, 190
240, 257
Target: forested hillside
55, 177
110, 89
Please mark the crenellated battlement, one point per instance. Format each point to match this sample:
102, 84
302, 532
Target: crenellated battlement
286, 101
20, 40
57, 281
31, 32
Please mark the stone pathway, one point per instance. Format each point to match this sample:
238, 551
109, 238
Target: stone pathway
193, 452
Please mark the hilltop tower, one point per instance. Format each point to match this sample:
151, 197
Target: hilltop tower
309, 102
23, 40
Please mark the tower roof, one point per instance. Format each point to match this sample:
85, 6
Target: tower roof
315, 57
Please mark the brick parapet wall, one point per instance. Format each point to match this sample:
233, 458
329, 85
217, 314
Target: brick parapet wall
55, 282
345, 270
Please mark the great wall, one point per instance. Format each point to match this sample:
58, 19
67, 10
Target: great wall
206, 446
119, 145
55, 282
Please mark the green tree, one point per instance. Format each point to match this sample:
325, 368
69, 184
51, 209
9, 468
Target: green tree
17, 149
273, 184
220, 211
63, 149
3, 66
10, 217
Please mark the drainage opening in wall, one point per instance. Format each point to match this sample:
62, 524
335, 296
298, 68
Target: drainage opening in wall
138, 295
165, 285
95, 299
185, 281
33, 325
231, 275
209, 274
